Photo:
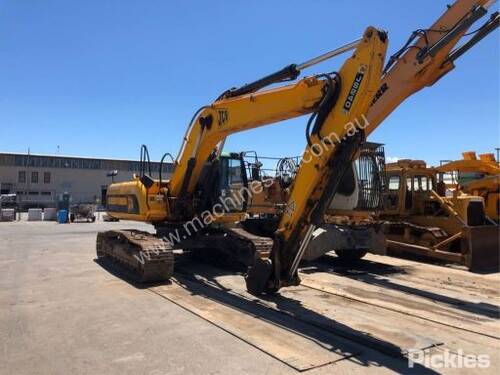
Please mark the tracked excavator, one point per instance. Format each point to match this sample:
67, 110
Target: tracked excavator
188, 211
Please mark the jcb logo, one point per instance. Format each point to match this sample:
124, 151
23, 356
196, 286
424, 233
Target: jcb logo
223, 116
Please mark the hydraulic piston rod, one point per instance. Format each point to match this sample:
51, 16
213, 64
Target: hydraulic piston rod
328, 55
289, 72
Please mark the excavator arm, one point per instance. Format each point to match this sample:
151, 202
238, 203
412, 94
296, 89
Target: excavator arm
332, 146
428, 55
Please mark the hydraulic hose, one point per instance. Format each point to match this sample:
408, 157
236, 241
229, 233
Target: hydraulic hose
325, 106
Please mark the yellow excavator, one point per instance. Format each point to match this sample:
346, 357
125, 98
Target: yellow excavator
193, 210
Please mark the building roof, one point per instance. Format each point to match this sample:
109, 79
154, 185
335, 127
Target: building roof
70, 156
76, 162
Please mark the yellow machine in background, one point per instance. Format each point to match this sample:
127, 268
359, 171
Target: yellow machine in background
480, 177
189, 210
421, 219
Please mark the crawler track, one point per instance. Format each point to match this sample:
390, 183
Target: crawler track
261, 245
145, 257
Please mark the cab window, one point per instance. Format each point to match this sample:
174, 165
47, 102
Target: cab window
235, 171
416, 183
394, 182
424, 183
409, 185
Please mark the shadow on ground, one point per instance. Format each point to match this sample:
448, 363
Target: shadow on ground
373, 352
375, 273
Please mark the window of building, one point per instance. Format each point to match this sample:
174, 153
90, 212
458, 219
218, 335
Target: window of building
46, 177
21, 177
46, 193
34, 177
33, 193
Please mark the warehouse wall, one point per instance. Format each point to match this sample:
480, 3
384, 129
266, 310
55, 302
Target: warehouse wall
83, 185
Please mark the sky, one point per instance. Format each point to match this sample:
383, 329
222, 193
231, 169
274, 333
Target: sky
99, 78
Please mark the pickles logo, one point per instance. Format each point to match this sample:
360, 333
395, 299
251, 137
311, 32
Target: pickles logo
223, 116
354, 88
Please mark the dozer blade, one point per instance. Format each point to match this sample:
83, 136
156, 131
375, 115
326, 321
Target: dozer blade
483, 247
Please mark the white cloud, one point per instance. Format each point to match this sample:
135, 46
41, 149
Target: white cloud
392, 159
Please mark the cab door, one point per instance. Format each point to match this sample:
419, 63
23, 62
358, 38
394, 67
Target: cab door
394, 193
233, 183
421, 184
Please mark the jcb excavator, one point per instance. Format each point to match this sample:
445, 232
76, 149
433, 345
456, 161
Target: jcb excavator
189, 211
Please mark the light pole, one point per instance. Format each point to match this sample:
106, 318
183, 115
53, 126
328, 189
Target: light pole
112, 174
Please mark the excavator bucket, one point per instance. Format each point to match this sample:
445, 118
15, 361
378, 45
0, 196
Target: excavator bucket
483, 247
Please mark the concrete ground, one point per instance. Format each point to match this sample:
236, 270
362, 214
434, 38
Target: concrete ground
61, 313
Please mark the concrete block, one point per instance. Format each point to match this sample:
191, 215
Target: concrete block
35, 214
8, 214
49, 214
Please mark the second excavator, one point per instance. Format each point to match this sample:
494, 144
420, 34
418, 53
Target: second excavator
193, 210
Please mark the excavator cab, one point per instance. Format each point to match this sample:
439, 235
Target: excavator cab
223, 181
233, 180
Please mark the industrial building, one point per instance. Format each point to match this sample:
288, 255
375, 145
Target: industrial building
41, 180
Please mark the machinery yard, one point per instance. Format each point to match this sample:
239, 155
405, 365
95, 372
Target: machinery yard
317, 217
64, 312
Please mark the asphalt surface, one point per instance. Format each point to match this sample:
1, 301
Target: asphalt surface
62, 313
